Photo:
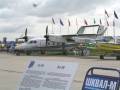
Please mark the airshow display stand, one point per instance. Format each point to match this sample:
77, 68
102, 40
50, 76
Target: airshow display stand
48, 75
95, 81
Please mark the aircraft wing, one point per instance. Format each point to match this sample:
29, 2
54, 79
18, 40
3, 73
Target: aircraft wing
81, 34
72, 38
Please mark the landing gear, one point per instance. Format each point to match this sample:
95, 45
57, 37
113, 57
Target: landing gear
63, 49
118, 57
84, 52
101, 56
64, 52
17, 53
43, 52
28, 53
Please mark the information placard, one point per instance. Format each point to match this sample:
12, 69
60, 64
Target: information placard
48, 75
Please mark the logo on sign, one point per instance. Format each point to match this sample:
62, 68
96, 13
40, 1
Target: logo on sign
100, 83
31, 64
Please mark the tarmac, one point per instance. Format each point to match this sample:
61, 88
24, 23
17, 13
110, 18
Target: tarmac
12, 68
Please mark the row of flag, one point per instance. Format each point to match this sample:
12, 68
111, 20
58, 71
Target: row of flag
61, 22
85, 21
115, 14
69, 23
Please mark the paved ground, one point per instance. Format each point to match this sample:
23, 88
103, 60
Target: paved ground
11, 68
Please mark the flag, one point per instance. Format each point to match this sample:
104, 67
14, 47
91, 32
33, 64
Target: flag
26, 32
53, 21
100, 22
94, 21
113, 23
85, 22
106, 13
61, 22
69, 22
115, 14
107, 22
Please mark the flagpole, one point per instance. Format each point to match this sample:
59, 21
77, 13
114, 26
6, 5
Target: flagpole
115, 17
105, 19
107, 26
114, 34
76, 27
60, 29
76, 24
68, 30
53, 22
93, 27
68, 26
52, 29
114, 31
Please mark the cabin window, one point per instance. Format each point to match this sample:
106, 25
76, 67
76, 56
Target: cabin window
48, 43
34, 41
53, 43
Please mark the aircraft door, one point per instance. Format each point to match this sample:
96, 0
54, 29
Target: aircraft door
42, 43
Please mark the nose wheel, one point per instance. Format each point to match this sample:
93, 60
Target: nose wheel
17, 53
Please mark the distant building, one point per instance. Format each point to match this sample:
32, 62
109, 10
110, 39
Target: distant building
4, 40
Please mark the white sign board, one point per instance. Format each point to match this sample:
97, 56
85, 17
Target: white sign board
48, 75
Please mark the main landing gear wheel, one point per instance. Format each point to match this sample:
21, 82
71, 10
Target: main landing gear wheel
17, 53
43, 52
28, 53
117, 57
101, 56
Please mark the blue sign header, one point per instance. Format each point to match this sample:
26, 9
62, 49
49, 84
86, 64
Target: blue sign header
100, 82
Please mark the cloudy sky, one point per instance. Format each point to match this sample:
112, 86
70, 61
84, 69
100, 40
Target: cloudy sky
16, 15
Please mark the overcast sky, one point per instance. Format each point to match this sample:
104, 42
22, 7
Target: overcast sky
16, 15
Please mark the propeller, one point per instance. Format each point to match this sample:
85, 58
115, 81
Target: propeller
25, 37
47, 36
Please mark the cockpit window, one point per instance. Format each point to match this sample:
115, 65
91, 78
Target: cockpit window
32, 41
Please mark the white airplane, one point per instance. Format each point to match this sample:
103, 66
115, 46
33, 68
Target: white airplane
59, 42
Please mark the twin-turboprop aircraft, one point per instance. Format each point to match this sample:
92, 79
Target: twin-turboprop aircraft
60, 42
